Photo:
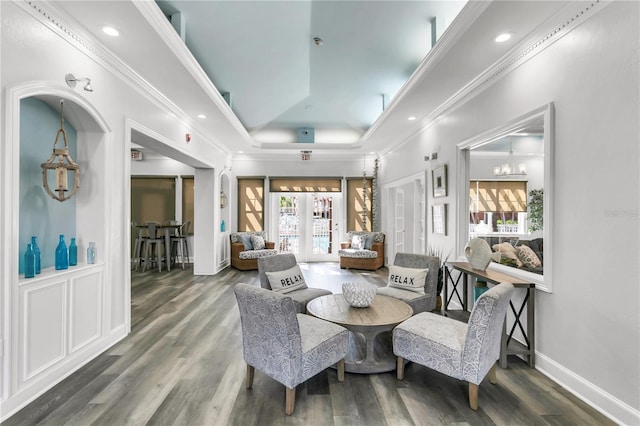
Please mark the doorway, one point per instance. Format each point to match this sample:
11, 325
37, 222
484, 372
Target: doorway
307, 225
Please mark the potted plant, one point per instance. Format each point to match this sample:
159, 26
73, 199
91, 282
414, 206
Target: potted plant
535, 209
432, 251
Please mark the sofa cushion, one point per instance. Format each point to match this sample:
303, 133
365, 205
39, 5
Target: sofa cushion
258, 242
357, 242
360, 254
369, 240
256, 254
528, 257
411, 279
246, 240
287, 281
508, 252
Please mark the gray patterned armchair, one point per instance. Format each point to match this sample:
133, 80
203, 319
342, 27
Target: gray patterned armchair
281, 262
419, 302
288, 347
464, 351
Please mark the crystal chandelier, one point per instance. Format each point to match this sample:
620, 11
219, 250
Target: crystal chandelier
509, 168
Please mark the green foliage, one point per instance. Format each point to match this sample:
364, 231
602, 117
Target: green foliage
535, 209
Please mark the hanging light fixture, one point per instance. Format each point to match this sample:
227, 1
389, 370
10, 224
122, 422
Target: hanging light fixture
223, 199
509, 168
59, 163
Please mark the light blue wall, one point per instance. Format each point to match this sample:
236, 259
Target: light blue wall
41, 215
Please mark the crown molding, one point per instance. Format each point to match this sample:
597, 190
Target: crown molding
557, 26
69, 30
159, 22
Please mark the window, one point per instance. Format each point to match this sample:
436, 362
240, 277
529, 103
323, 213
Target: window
356, 203
251, 204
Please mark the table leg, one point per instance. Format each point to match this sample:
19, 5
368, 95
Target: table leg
167, 248
531, 308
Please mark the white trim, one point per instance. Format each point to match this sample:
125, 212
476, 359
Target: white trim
615, 409
545, 112
556, 27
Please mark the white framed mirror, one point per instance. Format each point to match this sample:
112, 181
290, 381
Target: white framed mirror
504, 173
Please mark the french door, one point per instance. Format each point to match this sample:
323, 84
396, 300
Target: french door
308, 225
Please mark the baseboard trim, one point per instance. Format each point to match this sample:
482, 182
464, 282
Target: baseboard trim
618, 411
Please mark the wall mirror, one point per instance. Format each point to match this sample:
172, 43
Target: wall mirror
505, 194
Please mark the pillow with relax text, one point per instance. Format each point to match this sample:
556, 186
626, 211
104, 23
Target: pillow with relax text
286, 281
411, 279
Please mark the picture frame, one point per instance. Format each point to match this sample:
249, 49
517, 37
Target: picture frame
439, 219
439, 181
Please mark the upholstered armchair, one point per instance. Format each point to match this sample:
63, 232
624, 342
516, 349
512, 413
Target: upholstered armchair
464, 351
420, 302
245, 254
288, 347
282, 262
362, 250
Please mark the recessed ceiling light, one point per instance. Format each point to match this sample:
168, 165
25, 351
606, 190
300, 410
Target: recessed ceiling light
501, 38
110, 31
202, 116
413, 117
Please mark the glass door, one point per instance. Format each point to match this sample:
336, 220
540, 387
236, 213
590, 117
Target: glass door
308, 225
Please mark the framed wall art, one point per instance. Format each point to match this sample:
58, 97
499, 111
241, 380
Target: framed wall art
439, 181
439, 219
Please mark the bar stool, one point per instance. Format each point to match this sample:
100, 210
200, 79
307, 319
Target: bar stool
152, 241
180, 240
138, 243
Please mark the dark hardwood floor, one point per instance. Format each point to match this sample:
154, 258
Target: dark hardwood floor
182, 365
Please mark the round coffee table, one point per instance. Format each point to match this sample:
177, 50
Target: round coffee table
370, 345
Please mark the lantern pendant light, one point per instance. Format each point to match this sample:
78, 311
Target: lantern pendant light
59, 163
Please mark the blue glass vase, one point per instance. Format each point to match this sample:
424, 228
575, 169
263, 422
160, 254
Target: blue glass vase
62, 255
73, 253
36, 252
29, 262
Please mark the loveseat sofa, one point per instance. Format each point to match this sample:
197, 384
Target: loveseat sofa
362, 250
246, 248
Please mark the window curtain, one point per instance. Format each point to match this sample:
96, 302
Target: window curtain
251, 204
357, 199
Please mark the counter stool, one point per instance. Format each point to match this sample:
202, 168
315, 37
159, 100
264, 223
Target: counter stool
152, 242
179, 240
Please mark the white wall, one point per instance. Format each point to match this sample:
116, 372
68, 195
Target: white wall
587, 330
36, 52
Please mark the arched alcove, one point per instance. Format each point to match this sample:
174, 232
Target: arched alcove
58, 320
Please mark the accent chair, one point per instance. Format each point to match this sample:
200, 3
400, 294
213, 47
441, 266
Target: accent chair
464, 351
286, 346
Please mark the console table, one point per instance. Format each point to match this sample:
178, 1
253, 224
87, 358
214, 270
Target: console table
508, 345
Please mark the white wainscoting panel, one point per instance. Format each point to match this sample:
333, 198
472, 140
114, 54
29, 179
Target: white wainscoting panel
85, 310
43, 317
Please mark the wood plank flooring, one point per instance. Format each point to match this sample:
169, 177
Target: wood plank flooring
182, 364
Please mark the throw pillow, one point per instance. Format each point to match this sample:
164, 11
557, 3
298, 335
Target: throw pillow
258, 242
357, 242
411, 279
286, 281
369, 241
246, 240
528, 257
508, 254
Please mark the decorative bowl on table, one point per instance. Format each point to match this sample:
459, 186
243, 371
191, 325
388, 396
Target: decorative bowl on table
359, 295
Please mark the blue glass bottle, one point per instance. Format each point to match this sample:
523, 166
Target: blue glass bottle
73, 253
29, 262
62, 255
36, 252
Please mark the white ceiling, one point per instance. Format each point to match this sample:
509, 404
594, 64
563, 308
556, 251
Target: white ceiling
263, 54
